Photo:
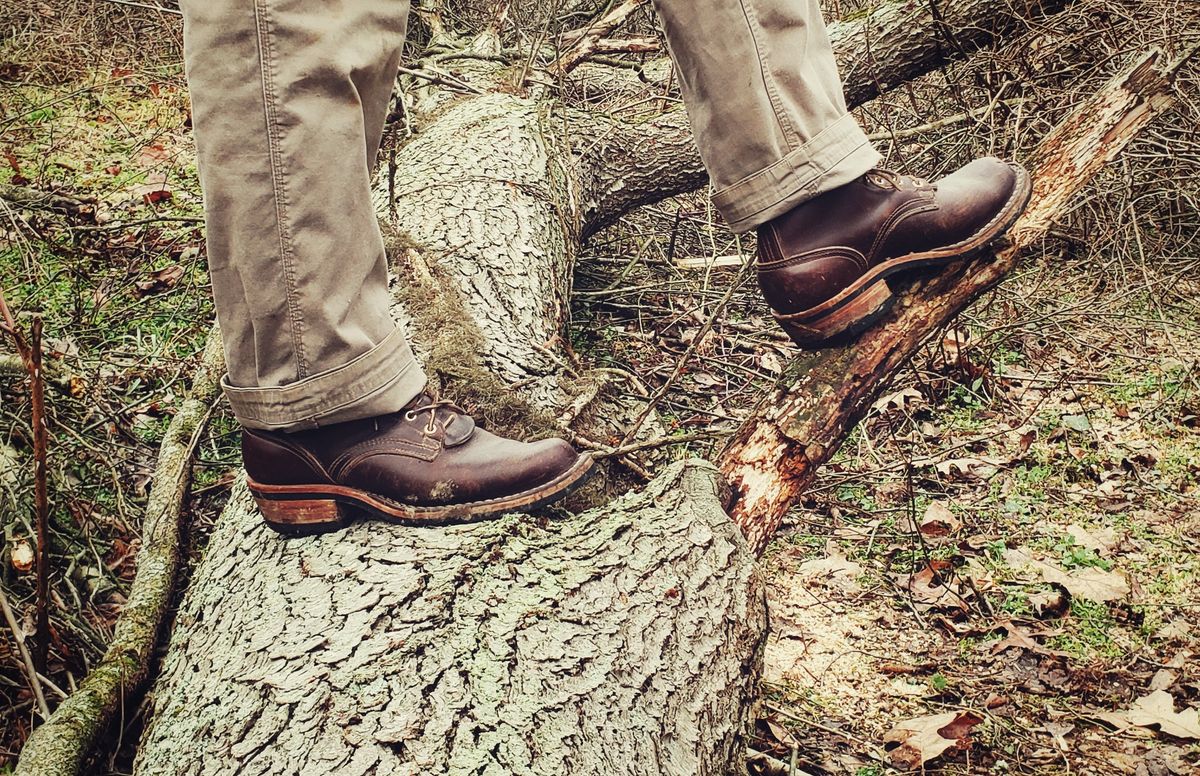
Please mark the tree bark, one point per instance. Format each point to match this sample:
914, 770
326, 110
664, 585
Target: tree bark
621, 640
626, 639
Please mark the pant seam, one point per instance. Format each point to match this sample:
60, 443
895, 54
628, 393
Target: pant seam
279, 182
781, 117
313, 418
306, 402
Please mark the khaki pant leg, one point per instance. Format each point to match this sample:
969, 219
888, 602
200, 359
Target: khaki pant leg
288, 105
765, 100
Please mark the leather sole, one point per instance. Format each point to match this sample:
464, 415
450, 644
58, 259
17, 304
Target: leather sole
862, 304
305, 510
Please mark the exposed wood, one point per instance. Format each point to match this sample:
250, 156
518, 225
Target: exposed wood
62, 743
802, 422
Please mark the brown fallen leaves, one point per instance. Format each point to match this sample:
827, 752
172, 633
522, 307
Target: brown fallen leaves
914, 742
1157, 710
1094, 584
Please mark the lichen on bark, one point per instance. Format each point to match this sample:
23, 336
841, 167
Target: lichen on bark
621, 640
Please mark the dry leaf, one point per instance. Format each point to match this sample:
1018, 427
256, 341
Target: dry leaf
1021, 639
939, 521
1091, 583
968, 468
160, 280
1176, 630
914, 742
1101, 540
1162, 679
152, 192
898, 400
930, 588
1157, 709
770, 362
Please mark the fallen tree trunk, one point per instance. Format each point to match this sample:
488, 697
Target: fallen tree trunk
623, 640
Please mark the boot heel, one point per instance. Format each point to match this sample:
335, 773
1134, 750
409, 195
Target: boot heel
302, 517
844, 323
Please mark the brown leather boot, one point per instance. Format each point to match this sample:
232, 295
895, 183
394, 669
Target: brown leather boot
425, 465
824, 266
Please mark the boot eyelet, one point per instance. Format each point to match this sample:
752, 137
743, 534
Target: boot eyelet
409, 417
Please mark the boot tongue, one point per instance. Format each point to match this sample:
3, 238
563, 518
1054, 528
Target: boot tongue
458, 430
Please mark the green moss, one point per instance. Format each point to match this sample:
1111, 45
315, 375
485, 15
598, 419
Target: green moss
452, 343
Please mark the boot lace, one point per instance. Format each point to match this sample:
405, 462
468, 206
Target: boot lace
432, 405
889, 179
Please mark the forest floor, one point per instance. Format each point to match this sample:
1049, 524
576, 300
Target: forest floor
1009, 541
1006, 550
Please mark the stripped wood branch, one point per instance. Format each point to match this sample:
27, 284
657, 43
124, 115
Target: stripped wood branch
41, 497
800, 423
30, 354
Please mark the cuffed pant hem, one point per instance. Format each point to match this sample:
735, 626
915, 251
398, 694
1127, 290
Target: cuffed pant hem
382, 380
835, 157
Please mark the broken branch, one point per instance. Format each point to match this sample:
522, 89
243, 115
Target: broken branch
799, 424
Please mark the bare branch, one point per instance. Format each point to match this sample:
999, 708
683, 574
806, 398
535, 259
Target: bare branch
588, 41
801, 422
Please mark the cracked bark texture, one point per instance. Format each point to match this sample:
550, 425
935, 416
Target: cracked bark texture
484, 193
622, 640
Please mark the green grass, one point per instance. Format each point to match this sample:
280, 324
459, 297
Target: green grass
1089, 632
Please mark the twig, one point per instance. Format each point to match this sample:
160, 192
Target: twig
942, 123
26, 658
441, 79
31, 357
654, 444
588, 41
687, 355
60, 745
148, 6
36, 199
41, 498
